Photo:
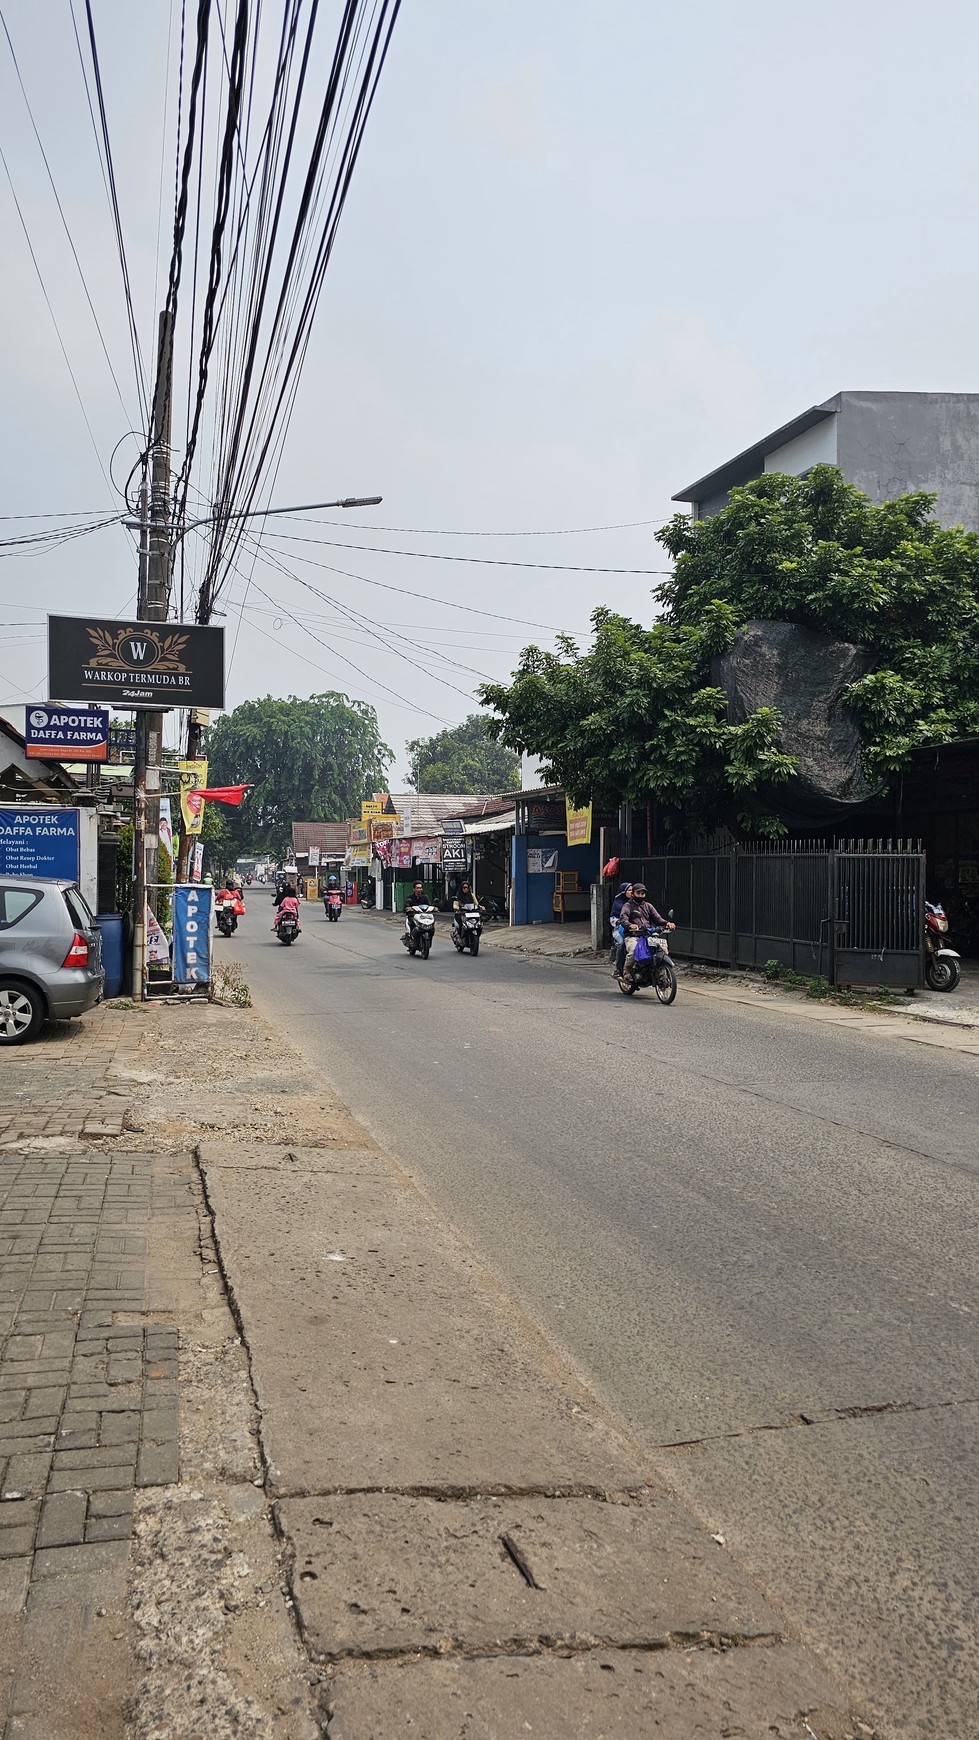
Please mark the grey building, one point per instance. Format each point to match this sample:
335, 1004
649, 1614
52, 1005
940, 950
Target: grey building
885, 443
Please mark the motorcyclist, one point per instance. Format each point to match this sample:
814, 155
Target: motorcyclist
463, 897
332, 887
287, 902
619, 899
287, 892
417, 897
637, 913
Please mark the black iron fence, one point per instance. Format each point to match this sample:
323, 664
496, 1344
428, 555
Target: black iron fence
853, 915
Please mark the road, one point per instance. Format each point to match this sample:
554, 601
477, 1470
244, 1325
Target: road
753, 1234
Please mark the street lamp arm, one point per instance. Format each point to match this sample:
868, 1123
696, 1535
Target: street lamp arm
349, 501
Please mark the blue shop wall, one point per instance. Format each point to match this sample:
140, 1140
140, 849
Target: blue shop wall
532, 895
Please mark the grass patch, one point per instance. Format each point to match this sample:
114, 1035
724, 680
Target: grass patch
820, 989
227, 985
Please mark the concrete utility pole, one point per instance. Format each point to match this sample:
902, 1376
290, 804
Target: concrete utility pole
151, 606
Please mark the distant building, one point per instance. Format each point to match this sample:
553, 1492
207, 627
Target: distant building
884, 443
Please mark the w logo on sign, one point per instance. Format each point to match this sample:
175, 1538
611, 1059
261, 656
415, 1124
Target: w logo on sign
153, 650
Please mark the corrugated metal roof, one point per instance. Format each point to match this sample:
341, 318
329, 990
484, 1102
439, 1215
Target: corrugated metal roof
427, 810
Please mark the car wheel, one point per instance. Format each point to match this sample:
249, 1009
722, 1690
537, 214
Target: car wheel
22, 1011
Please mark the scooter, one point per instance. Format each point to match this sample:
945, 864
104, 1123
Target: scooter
333, 901
943, 968
467, 928
420, 931
368, 900
287, 928
226, 917
650, 965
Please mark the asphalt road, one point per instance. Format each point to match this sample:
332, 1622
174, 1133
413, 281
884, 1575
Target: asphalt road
755, 1235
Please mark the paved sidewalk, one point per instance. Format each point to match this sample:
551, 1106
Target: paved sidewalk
117, 1582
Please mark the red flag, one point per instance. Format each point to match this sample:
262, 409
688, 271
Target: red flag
222, 794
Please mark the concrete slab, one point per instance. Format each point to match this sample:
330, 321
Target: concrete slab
381, 1354
267, 1156
380, 1573
756, 1694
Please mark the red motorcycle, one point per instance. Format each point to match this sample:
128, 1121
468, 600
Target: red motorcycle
943, 968
333, 901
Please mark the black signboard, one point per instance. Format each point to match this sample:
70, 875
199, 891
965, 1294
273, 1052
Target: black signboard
135, 664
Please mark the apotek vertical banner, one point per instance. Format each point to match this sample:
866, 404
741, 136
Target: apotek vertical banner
192, 934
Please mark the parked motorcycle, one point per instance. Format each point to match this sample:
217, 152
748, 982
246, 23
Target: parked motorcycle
287, 928
650, 965
493, 907
467, 928
420, 931
368, 899
333, 901
943, 968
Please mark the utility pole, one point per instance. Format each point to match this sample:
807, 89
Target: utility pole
152, 602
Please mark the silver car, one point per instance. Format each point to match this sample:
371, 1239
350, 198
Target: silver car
50, 955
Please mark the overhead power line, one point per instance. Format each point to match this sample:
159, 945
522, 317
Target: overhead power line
61, 214
104, 148
480, 561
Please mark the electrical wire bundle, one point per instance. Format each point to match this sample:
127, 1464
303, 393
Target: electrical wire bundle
255, 237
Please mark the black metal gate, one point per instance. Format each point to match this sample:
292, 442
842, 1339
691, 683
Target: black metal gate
853, 916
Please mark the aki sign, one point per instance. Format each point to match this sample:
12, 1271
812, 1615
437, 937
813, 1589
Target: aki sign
136, 664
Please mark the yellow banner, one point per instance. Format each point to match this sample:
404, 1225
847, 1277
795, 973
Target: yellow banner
193, 776
358, 833
369, 809
578, 825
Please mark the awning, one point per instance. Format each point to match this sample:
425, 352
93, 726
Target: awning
492, 824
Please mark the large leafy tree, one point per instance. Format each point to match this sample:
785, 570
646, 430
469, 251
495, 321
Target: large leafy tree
637, 715
307, 760
464, 758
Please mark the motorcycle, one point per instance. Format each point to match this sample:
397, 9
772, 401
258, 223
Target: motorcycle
228, 909
420, 931
287, 928
943, 968
493, 907
467, 928
650, 965
368, 900
333, 901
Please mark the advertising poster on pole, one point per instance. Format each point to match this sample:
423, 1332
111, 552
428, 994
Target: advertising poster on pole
193, 776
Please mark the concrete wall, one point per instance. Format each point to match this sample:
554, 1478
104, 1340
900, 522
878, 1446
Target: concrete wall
893, 442
816, 446
532, 894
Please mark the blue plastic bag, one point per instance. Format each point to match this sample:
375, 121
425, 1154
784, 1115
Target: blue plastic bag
643, 951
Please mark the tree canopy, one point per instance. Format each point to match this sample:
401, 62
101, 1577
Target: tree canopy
308, 760
464, 758
637, 715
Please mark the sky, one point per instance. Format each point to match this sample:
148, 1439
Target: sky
589, 252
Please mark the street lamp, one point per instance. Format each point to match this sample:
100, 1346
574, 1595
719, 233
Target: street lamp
348, 501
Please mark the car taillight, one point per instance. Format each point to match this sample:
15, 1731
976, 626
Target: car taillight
77, 955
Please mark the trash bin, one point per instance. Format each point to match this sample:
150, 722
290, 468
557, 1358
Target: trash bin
110, 924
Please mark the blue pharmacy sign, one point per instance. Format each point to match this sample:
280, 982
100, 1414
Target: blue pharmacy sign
39, 840
192, 933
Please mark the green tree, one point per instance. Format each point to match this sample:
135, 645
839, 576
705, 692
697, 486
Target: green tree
637, 715
464, 758
306, 760
815, 550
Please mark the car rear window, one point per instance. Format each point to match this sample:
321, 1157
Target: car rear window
81, 918
14, 903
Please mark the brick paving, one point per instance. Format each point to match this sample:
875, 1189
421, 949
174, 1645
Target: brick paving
88, 1378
